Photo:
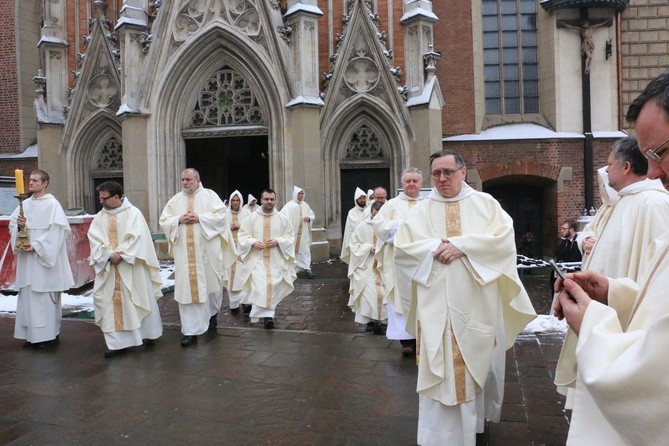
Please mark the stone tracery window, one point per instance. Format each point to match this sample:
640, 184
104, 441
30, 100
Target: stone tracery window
226, 99
364, 144
111, 155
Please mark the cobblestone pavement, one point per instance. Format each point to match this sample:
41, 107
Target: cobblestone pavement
317, 379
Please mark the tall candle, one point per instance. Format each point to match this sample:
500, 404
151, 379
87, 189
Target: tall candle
20, 189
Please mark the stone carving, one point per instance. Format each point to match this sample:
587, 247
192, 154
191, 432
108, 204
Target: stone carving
226, 99
364, 144
111, 155
193, 14
102, 90
361, 74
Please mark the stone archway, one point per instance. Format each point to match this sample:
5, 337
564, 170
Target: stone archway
193, 63
338, 134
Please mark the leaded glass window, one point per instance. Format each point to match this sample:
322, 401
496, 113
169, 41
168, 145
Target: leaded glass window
364, 144
511, 69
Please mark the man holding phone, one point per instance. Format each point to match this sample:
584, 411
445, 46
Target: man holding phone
623, 326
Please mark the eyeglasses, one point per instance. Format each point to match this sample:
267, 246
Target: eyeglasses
656, 153
444, 172
103, 199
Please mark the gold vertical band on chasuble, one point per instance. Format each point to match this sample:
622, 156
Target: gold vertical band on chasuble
190, 250
266, 256
117, 302
453, 229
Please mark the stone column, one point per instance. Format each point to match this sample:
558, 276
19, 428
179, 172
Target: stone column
301, 33
50, 108
424, 98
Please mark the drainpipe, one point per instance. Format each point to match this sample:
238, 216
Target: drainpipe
619, 62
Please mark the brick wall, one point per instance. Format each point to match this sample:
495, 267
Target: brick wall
7, 167
645, 45
453, 38
537, 163
9, 93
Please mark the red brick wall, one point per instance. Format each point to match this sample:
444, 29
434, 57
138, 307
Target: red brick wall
453, 38
537, 163
7, 167
9, 93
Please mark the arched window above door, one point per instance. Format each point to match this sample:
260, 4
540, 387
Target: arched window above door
364, 145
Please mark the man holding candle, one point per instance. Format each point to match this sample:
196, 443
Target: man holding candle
42, 267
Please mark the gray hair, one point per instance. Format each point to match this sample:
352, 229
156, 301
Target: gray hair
627, 150
411, 170
195, 173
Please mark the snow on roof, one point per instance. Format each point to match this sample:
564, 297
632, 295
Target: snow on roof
528, 131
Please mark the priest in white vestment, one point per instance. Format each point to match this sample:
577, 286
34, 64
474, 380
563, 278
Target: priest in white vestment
267, 248
635, 221
622, 325
235, 215
302, 218
594, 228
201, 243
354, 217
42, 267
458, 247
127, 273
397, 286
367, 292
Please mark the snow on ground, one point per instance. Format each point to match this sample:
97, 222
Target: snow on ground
84, 302
73, 303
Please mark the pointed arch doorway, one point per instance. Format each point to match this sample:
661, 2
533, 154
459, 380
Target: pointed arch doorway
233, 163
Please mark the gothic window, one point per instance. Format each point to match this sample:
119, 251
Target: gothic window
511, 69
364, 144
111, 155
226, 99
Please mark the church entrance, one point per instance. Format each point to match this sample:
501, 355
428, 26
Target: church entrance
365, 179
229, 163
524, 203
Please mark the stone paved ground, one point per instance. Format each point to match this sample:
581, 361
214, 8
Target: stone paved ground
317, 379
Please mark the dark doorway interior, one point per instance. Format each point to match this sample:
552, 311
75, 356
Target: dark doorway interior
96, 183
524, 203
226, 164
364, 179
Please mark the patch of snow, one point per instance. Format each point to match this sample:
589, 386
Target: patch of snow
546, 323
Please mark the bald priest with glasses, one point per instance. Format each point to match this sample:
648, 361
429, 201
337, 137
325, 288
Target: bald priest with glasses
468, 305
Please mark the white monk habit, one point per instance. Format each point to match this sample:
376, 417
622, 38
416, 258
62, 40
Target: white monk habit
236, 294
622, 354
125, 295
367, 294
270, 272
465, 313
203, 253
386, 222
251, 207
636, 220
296, 211
41, 275
355, 216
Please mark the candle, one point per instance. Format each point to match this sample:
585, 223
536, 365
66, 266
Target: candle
20, 189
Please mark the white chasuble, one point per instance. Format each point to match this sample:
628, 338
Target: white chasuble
296, 211
462, 308
122, 293
203, 252
367, 293
269, 272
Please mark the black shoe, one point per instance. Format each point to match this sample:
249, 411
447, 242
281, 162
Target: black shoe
234, 311
213, 322
112, 353
369, 326
46, 344
269, 323
379, 329
310, 275
149, 342
408, 347
188, 340
246, 308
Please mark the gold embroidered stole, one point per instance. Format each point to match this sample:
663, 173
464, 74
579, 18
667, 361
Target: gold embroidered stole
266, 253
190, 249
298, 236
454, 229
117, 302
